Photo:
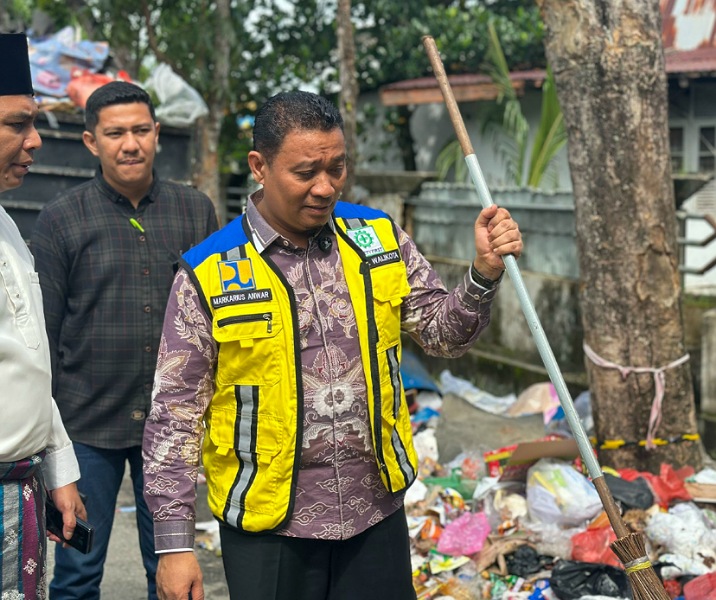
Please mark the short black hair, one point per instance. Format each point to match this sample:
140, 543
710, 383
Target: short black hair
292, 111
114, 92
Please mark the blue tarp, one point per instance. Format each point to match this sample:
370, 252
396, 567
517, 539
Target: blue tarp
54, 59
414, 374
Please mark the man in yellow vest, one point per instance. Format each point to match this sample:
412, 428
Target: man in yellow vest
281, 345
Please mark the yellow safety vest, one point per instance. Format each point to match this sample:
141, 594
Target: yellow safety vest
254, 422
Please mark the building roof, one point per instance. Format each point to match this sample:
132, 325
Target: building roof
688, 33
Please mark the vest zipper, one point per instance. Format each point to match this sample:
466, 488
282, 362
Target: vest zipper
268, 317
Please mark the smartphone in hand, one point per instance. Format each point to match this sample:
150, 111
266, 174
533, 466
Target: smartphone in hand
83, 537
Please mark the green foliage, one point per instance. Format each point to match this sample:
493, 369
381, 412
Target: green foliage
278, 45
523, 168
451, 160
551, 134
388, 36
16, 12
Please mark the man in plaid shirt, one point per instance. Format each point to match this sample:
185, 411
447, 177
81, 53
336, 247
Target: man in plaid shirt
105, 252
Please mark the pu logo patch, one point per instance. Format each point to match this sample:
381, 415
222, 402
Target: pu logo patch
236, 275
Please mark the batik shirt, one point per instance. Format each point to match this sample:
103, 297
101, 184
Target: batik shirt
339, 492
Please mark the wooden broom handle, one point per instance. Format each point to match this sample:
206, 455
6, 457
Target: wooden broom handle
437, 64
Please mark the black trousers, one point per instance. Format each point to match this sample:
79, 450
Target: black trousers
374, 564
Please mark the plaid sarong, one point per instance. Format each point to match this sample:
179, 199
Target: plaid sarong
22, 530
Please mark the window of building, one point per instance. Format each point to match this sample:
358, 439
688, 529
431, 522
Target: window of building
676, 143
707, 149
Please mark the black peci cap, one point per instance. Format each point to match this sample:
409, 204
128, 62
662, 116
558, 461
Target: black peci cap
15, 78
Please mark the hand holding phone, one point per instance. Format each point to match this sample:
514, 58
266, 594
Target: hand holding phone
83, 536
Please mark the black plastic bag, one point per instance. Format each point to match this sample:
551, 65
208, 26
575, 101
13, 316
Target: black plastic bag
525, 560
572, 579
632, 494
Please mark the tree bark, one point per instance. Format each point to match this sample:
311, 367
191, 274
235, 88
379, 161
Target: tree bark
608, 62
205, 174
349, 91
208, 180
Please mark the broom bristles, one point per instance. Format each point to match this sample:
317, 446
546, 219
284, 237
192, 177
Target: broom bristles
645, 583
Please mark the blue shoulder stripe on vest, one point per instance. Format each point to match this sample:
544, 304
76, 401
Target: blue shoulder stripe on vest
228, 237
346, 210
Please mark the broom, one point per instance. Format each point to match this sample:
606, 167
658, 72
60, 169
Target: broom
629, 547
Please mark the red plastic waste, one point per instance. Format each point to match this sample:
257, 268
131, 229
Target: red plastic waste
701, 588
668, 486
84, 82
592, 545
673, 588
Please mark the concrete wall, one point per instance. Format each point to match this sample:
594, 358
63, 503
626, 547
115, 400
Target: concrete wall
440, 220
431, 130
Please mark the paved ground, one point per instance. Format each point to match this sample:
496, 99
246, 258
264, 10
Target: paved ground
461, 428
124, 575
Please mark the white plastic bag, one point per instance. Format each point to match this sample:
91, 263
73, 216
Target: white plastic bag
687, 536
179, 103
558, 493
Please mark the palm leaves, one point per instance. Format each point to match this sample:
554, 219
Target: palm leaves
523, 167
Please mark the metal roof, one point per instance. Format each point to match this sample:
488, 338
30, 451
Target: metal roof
689, 34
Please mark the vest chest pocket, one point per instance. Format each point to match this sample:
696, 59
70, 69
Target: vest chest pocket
390, 286
250, 347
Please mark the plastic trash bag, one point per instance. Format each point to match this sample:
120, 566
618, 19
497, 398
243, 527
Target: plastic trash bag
84, 82
632, 494
558, 424
496, 405
179, 103
668, 486
558, 493
594, 545
572, 580
525, 561
465, 535
550, 539
686, 535
701, 588
53, 60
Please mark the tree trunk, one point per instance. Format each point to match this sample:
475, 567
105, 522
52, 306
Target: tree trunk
349, 90
608, 62
206, 177
406, 143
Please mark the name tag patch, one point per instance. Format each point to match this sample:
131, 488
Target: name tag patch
366, 239
383, 259
241, 298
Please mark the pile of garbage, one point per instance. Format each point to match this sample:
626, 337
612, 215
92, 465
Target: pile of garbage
524, 522
66, 70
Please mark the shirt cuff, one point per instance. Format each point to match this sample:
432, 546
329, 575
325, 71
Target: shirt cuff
173, 536
60, 468
476, 294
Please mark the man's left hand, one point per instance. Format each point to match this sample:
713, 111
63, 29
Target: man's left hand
68, 502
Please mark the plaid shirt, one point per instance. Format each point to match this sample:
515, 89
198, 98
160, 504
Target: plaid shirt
106, 269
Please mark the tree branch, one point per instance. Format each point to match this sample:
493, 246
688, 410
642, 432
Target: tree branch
154, 44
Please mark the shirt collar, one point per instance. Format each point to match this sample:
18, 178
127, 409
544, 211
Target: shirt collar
152, 194
262, 233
